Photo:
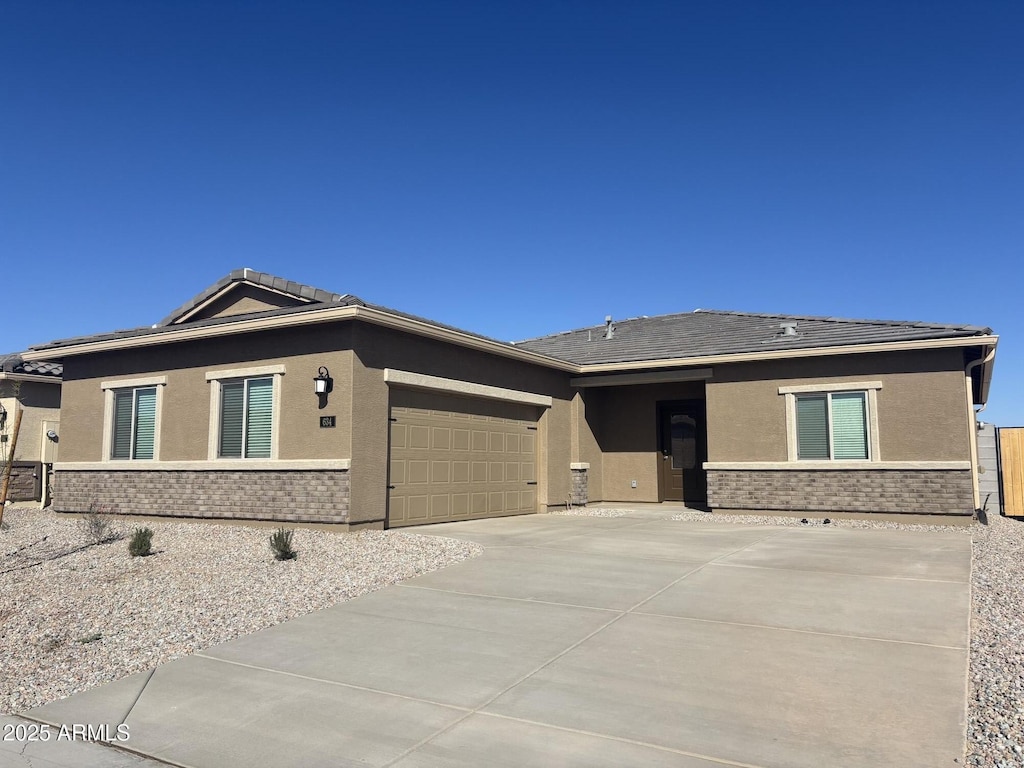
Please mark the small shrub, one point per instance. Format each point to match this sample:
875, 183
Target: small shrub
141, 542
281, 543
89, 638
95, 528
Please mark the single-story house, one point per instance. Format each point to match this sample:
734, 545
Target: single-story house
262, 398
33, 389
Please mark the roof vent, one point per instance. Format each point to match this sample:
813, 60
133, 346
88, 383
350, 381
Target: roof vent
788, 329
609, 329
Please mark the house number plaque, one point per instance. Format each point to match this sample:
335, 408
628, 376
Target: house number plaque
326, 421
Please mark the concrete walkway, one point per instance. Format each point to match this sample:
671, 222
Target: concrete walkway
632, 641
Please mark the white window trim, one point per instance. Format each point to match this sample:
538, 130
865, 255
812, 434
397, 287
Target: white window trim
115, 385
870, 388
217, 379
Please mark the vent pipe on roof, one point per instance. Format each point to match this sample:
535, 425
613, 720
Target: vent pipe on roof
609, 329
788, 329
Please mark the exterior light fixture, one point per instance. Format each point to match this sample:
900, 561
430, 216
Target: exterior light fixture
322, 382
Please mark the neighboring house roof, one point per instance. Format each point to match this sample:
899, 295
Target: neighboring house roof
12, 363
707, 332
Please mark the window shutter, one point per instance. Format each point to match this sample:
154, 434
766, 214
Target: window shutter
145, 423
259, 421
849, 426
812, 427
231, 407
122, 438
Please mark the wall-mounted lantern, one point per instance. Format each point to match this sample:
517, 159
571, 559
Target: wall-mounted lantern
323, 383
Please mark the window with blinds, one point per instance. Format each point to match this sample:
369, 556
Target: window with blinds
246, 418
832, 426
134, 435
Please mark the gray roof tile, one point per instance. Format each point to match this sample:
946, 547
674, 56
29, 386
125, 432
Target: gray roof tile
715, 332
12, 363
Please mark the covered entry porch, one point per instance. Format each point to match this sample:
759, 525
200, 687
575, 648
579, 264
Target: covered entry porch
643, 437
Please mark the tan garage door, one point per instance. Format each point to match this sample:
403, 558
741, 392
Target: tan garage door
459, 458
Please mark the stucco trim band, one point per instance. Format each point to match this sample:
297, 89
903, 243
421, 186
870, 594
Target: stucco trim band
148, 381
836, 465
456, 386
239, 373
219, 465
841, 387
579, 465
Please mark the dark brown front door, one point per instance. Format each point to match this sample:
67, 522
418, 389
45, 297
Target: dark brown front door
684, 449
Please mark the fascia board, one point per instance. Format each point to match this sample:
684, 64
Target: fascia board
30, 377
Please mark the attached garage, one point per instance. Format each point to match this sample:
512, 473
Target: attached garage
459, 458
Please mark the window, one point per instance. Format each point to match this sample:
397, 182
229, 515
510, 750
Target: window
832, 426
246, 418
833, 422
134, 434
245, 408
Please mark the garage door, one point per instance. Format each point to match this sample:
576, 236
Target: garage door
460, 458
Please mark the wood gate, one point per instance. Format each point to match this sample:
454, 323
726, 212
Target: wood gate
1011, 463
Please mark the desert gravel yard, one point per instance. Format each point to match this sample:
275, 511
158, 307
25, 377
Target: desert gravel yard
75, 615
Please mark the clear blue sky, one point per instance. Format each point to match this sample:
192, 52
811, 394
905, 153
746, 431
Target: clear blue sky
855, 159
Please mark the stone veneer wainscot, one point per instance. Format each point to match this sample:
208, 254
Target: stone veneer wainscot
298, 496
891, 491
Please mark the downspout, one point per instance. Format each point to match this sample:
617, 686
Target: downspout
974, 421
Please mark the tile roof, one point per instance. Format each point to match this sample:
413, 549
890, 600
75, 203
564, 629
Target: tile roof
690, 334
706, 332
306, 293
12, 363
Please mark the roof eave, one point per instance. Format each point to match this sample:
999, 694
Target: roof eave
38, 378
175, 334
748, 357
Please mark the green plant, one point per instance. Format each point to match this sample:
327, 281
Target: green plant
89, 638
141, 542
281, 543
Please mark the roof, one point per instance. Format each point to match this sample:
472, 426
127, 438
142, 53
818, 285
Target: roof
12, 362
315, 299
707, 332
307, 294
636, 342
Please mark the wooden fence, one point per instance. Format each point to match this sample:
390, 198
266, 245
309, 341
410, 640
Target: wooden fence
1011, 462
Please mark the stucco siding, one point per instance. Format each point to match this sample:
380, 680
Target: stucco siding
922, 414
185, 411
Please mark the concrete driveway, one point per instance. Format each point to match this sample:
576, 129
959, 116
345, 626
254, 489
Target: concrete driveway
632, 641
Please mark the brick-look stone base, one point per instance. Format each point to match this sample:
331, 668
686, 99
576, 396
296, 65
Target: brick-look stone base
870, 490
579, 491
297, 496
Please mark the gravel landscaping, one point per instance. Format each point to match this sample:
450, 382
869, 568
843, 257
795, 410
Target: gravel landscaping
75, 615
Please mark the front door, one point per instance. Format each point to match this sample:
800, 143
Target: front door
684, 449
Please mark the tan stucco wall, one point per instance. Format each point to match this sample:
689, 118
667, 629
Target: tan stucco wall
39, 402
922, 413
185, 411
379, 348
625, 423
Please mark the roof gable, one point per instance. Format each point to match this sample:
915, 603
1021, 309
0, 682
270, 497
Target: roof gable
246, 291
